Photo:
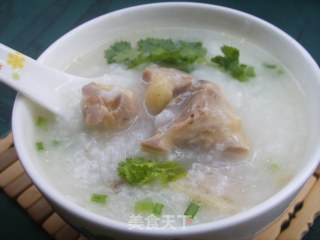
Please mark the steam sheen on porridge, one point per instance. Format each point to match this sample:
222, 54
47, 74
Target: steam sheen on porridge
238, 142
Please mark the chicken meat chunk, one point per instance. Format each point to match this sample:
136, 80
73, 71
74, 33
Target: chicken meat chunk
108, 105
205, 119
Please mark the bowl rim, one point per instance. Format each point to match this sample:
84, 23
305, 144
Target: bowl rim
51, 193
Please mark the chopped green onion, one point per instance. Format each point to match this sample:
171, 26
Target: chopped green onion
39, 146
149, 207
144, 207
55, 143
41, 121
269, 65
274, 167
99, 198
157, 209
191, 210
274, 67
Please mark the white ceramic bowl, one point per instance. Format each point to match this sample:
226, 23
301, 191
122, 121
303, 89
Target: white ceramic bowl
240, 226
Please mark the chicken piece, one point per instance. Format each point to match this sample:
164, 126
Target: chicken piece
164, 85
112, 106
206, 119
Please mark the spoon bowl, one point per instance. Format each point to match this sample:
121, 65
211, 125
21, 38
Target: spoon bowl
33, 79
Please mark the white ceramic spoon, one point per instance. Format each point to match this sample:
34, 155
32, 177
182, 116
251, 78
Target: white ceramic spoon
33, 79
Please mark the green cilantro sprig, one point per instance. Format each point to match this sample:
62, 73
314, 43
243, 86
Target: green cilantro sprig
139, 171
178, 54
230, 63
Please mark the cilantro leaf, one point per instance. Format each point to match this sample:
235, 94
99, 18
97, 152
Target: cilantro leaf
115, 49
121, 52
139, 171
180, 54
149, 45
191, 51
231, 64
230, 52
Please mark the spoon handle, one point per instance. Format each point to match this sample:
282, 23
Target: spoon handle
31, 78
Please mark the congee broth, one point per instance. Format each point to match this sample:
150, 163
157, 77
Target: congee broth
82, 161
